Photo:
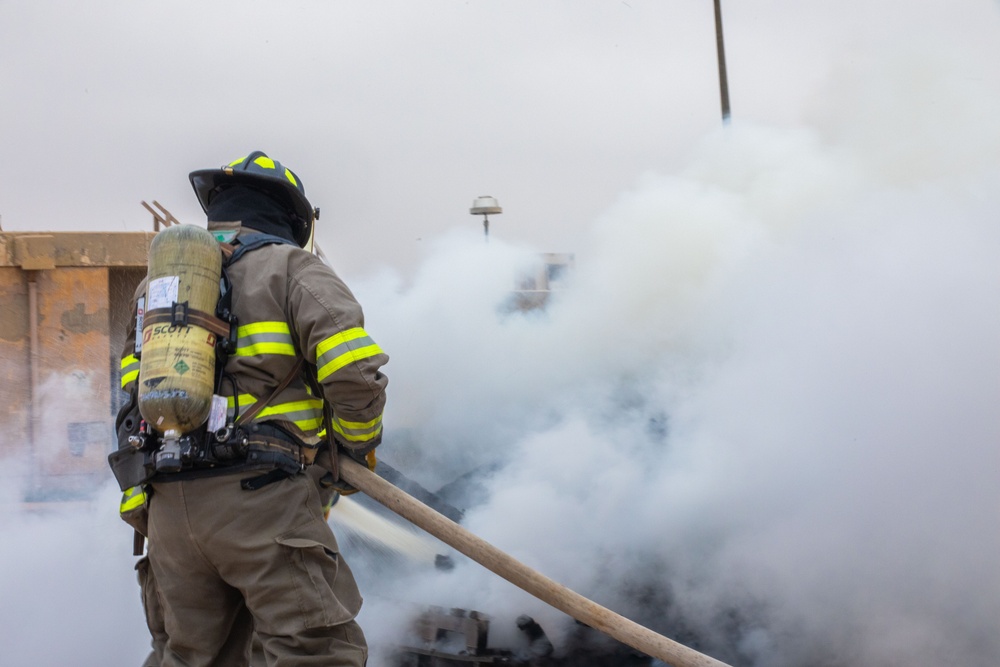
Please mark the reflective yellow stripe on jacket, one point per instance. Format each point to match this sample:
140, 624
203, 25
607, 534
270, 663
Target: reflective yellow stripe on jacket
343, 348
332, 354
306, 414
358, 432
264, 338
130, 370
132, 498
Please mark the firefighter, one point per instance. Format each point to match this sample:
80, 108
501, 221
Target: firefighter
240, 528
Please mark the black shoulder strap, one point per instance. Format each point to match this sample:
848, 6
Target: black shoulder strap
225, 347
230, 254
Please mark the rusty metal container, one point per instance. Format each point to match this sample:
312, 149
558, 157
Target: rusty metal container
65, 299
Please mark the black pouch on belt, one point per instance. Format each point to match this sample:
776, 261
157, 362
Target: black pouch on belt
131, 466
271, 447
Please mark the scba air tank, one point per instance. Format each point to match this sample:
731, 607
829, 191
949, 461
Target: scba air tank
177, 362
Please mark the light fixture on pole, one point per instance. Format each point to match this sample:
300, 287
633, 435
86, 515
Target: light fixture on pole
486, 206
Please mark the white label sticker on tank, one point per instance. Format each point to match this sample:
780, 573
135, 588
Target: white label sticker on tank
217, 414
140, 310
162, 292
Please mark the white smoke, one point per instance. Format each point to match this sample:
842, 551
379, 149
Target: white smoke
764, 414
68, 586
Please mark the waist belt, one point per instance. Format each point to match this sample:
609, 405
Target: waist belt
259, 446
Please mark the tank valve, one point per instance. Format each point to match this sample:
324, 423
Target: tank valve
169, 456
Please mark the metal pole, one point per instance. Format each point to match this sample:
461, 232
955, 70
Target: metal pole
34, 415
723, 80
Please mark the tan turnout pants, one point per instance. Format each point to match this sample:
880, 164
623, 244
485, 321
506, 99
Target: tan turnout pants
233, 652
217, 551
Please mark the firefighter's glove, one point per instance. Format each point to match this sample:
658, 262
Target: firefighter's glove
342, 487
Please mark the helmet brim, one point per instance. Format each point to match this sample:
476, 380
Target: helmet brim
208, 182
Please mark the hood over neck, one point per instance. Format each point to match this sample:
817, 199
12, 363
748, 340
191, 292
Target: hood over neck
252, 208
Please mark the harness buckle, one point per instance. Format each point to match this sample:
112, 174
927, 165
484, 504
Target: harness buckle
179, 314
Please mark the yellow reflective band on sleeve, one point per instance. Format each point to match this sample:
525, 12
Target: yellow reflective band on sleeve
129, 378
130, 370
341, 349
132, 498
358, 431
264, 338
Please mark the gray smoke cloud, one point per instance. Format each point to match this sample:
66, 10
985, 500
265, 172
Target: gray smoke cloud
762, 415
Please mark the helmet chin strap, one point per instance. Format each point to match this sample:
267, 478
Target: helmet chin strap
301, 228
310, 243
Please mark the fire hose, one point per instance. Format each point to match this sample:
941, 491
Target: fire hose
562, 598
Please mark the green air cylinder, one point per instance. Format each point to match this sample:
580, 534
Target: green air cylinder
177, 362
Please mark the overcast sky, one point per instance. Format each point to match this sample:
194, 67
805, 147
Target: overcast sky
766, 399
396, 115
